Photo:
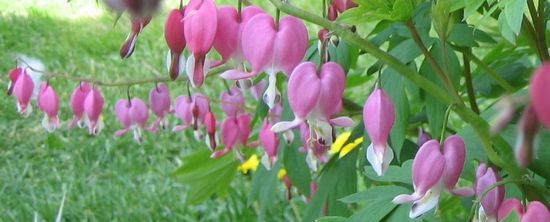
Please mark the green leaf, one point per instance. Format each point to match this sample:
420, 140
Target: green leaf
512, 217
376, 193
295, 165
473, 152
393, 84
505, 30
261, 112
401, 174
513, 11
374, 211
338, 179
264, 184
206, 176
331, 219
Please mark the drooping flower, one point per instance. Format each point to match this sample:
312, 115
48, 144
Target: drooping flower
314, 96
271, 48
232, 102
342, 5
192, 112
159, 101
182, 110
527, 130
77, 104
378, 117
427, 170
138, 23
132, 115
316, 152
200, 25
174, 36
539, 92
270, 143
210, 125
93, 106
228, 35
434, 172
491, 201
22, 89
509, 206
48, 102
536, 211
234, 132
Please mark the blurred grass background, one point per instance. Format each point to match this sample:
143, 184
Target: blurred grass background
106, 179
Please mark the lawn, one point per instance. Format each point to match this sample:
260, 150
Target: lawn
102, 178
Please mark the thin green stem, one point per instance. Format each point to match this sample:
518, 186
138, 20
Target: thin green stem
539, 29
131, 82
469, 83
239, 7
445, 121
492, 73
429, 57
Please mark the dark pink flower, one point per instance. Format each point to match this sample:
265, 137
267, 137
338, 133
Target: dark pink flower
200, 25
48, 102
174, 36
271, 48
132, 115
159, 101
93, 106
77, 104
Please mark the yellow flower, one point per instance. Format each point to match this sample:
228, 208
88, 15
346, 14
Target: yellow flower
281, 173
340, 146
350, 146
339, 143
250, 164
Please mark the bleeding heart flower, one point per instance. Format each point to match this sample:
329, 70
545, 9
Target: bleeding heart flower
316, 152
508, 206
378, 117
182, 110
342, 5
132, 115
93, 106
22, 89
270, 143
314, 96
271, 48
536, 211
127, 48
200, 25
229, 32
454, 151
234, 132
174, 36
490, 203
256, 90
427, 170
48, 102
159, 101
77, 104
539, 92
210, 125
435, 171
232, 102
527, 130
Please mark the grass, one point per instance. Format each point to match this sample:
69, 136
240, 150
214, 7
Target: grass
106, 179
